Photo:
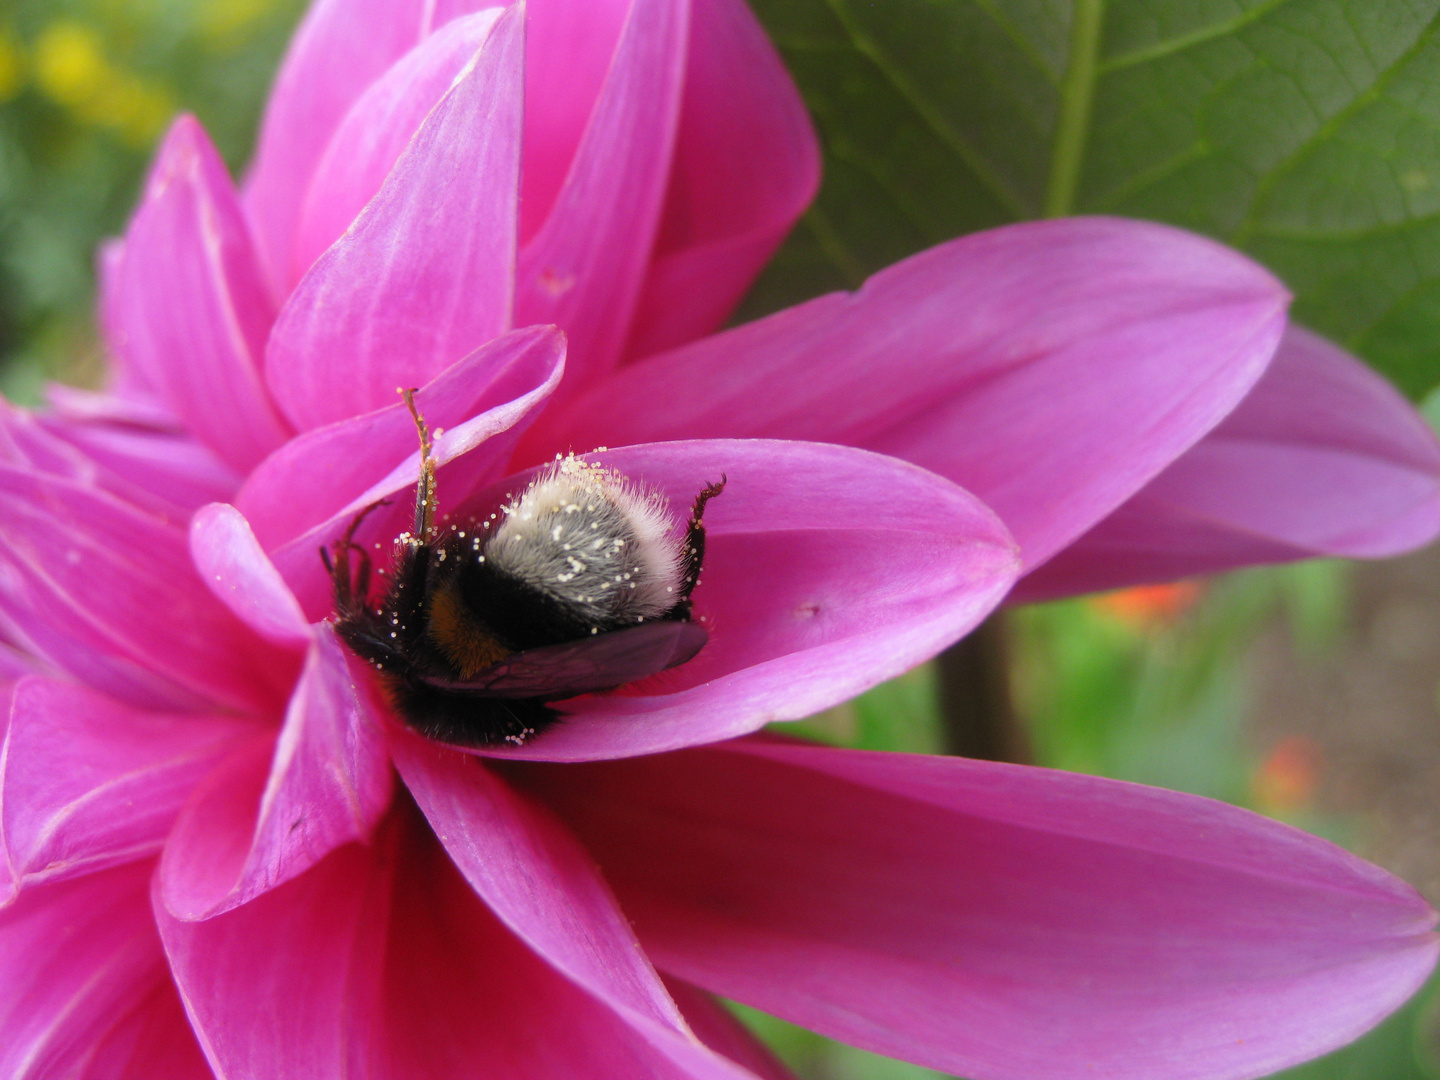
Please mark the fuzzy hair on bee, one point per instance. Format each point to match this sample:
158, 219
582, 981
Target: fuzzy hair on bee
577, 585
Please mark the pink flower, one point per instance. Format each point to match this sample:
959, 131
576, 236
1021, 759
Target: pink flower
209, 866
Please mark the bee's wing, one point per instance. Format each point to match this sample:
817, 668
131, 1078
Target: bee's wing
602, 662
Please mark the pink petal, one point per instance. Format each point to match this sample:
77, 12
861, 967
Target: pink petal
425, 274
724, 1034
1050, 368
1322, 458
8, 679
584, 269
376, 130
319, 475
77, 954
827, 570
390, 967
14, 666
25, 443
259, 822
232, 563
168, 471
86, 782
541, 884
153, 636
746, 166
535, 878
569, 48
151, 1042
286, 985
160, 472
340, 49
124, 380
109, 257
193, 312
997, 921
89, 406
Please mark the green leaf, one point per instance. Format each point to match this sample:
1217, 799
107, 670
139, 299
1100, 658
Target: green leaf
1306, 132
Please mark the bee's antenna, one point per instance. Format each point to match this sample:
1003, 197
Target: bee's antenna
425, 489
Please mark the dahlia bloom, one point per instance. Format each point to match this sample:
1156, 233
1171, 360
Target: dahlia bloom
210, 867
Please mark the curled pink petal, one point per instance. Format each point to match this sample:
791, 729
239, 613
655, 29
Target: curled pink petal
376, 130
1323, 457
827, 570
1050, 368
426, 273
746, 166
724, 1034
256, 822
86, 782
340, 49
154, 636
77, 955
491, 394
192, 312
997, 921
232, 564
584, 269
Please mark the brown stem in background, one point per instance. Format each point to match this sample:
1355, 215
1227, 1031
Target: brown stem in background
978, 715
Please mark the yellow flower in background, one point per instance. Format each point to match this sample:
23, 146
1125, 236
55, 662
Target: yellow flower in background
71, 68
70, 63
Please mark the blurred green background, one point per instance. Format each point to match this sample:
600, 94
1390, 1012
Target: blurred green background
86, 87
1252, 688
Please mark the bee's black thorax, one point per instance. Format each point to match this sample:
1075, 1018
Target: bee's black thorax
520, 615
409, 651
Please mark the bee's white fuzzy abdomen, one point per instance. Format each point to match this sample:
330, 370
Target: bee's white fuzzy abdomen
594, 541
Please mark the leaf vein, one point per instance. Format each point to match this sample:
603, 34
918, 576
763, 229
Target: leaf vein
930, 115
1019, 40
1181, 42
1326, 131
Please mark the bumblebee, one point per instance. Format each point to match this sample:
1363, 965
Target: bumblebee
578, 585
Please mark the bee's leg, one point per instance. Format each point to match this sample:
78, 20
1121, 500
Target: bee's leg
337, 564
362, 573
693, 555
338, 568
